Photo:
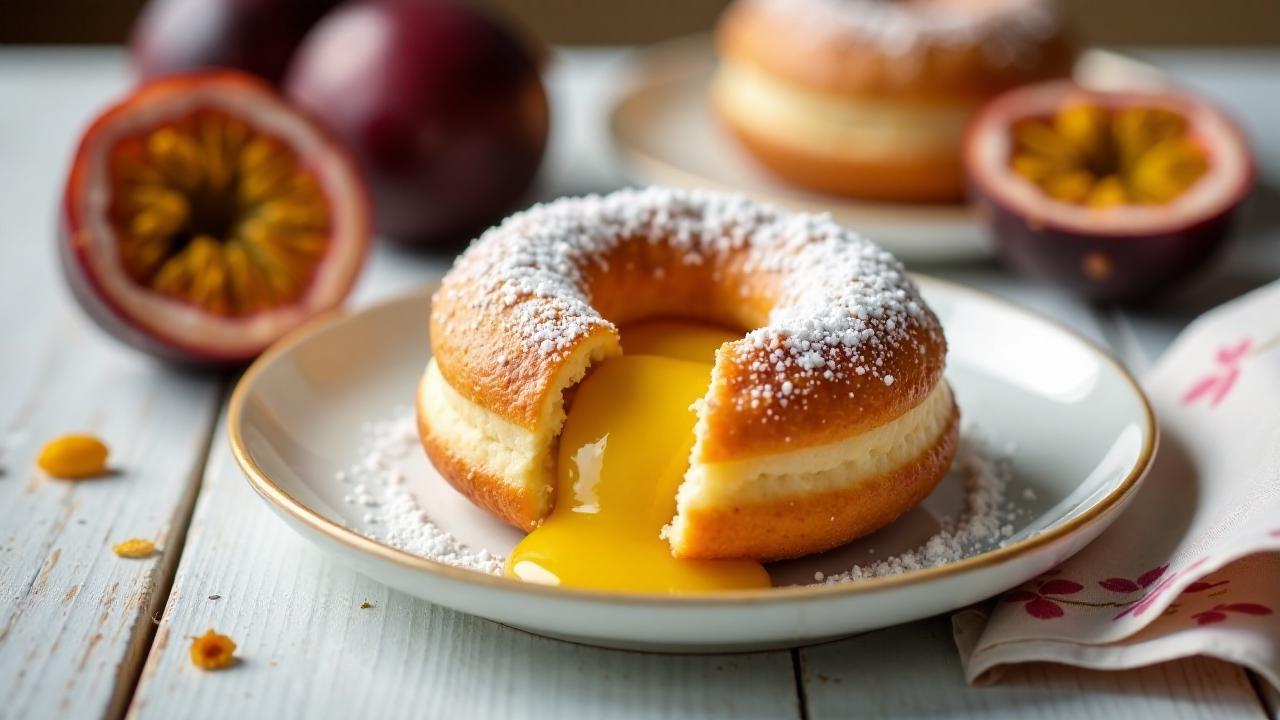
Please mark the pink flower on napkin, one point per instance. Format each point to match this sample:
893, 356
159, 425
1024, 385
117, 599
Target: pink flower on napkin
1208, 510
1147, 600
1037, 604
1201, 586
1125, 585
1218, 613
1216, 385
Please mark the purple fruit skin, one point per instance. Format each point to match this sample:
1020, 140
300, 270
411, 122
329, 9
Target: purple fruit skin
256, 36
1143, 266
443, 107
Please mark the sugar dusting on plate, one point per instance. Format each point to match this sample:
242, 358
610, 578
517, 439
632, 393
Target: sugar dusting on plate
391, 514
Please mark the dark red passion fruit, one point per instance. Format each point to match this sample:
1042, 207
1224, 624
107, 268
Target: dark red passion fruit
442, 105
204, 217
256, 36
1114, 195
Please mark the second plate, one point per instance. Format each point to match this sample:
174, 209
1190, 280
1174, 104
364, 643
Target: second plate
666, 133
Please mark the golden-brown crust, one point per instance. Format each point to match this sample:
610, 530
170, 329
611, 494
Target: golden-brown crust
622, 285
849, 65
516, 506
729, 293
833, 408
465, 342
944, 78
813, 523
855, 346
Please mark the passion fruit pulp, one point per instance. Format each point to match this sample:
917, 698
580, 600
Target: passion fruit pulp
204, 217
1116, 196
212, 213
1090, 155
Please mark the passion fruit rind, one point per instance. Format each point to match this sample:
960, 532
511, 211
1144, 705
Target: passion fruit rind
255, 36
1106, 268
89, 296
1116, 196
204, 217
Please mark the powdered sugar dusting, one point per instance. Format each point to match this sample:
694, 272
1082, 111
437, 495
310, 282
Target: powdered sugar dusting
844, 305
1006, 30
394, 516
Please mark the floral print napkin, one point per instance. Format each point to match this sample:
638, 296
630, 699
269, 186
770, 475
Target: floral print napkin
1192, 567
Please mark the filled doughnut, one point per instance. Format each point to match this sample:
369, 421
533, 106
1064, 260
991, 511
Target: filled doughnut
824, 422
869, 99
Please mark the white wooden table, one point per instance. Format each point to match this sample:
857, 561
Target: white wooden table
85, 634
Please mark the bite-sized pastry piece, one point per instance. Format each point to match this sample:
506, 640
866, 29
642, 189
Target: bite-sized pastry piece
868, 98
825, 422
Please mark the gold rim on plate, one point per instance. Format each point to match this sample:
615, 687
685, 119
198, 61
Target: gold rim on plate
285, 502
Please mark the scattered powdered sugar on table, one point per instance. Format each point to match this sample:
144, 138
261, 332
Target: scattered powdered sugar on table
983, 523
391, 514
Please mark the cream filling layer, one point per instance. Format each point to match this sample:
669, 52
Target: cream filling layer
520, 457
480, 438
824, 124
836, 466
525, 459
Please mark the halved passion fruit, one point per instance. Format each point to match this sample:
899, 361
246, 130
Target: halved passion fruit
204, 217
1113, 195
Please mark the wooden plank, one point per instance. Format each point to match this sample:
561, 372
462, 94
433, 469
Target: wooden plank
1143, 333
74, 618
308, 649
911, 672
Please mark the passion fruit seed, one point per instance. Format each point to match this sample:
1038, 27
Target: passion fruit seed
213, 651
1097, 265
73, 457
217, 215
135, 548
1094, 156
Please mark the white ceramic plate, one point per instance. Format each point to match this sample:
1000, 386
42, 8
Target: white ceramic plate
1079, 431
666, 133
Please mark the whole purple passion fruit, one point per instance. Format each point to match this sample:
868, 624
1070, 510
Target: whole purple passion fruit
1114, 195
204, 217
442, 105
256, 36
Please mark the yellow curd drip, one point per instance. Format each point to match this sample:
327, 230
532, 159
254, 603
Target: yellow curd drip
623, 453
